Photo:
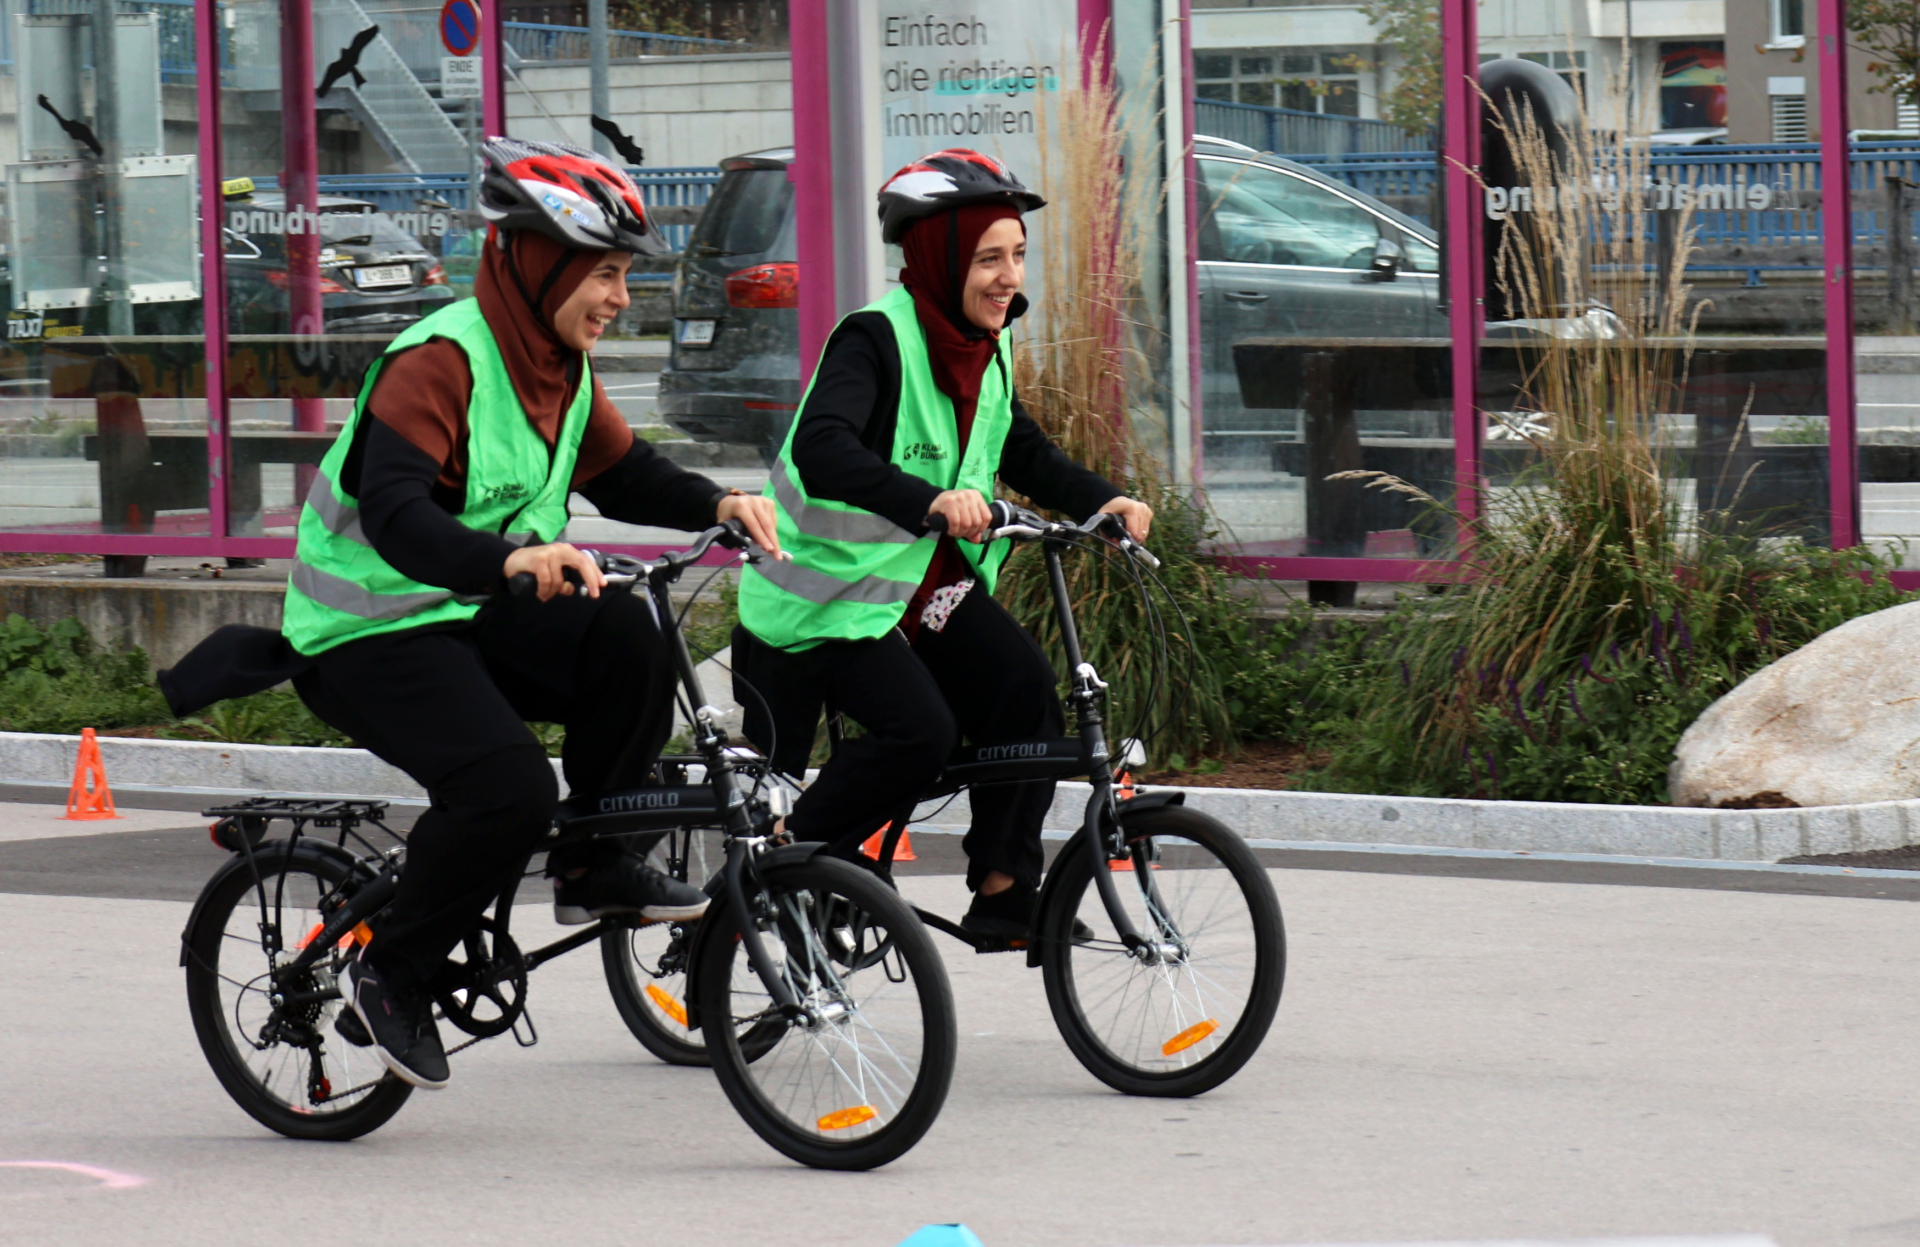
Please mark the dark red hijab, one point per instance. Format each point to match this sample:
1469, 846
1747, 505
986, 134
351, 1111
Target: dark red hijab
939, 251
520, 287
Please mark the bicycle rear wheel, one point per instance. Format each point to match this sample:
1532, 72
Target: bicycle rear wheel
647, 966
1188, 1016
861, 1078
283, 1064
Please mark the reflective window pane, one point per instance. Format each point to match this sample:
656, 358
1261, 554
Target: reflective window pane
103, 392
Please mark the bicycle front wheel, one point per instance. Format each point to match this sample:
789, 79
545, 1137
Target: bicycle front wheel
1186, 1014
268, 1035
860, 1076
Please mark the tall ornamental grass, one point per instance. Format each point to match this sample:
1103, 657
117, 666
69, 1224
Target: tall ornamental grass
1600, 615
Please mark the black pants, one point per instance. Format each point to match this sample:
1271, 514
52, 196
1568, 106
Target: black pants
983, 678
450, 708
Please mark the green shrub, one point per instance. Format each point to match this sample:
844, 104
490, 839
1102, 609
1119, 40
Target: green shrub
57, 680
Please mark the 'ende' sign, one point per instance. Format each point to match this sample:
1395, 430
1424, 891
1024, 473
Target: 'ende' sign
970, 77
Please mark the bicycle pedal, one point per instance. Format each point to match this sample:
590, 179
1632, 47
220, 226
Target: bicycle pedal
1001, 946
533, 1034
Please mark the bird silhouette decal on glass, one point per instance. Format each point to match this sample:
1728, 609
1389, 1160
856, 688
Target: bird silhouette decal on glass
76, 130
628, 149
348, 62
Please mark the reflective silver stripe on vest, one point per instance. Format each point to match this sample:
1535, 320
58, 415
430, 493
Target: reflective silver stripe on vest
342, 519
344, 595
830, 525
820, 588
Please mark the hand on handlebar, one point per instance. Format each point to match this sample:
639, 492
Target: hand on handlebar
965, 512
548, 566
1136, 515
756, 515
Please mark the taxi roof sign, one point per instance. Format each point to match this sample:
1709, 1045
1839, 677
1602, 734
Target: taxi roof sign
234, 188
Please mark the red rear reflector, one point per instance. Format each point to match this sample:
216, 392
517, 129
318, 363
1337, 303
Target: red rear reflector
765, 285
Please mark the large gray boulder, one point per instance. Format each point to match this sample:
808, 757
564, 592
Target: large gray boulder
1833, 723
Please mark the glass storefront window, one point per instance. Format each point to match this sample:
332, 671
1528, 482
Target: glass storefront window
102, 390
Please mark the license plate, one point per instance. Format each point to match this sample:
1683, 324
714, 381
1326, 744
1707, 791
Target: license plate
696, 332
384, 275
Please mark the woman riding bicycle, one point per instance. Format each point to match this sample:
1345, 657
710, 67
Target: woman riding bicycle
912, 414
451, 477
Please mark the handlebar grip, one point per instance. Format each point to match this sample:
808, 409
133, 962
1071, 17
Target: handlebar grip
1003, 513
935, 524
526, 584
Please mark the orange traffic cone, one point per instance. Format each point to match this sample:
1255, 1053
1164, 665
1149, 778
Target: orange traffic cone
84, 801
902, 852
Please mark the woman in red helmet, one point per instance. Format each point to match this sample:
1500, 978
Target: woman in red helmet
912, 414
451, 477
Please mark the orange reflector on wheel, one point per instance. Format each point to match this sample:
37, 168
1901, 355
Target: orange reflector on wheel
847, 1117
668, 1005
1189, 1037
361, 934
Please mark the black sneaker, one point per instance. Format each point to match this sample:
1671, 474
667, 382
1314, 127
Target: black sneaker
402, 1030
350, 1028
1008, 915
629, 886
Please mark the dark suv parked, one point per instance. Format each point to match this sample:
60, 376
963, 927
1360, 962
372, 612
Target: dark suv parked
735, 371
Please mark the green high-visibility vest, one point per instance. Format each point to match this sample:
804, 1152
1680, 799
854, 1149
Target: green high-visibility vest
853, 572
341, 589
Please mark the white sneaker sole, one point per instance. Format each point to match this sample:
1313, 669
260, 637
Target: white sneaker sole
579, 915
387, 1059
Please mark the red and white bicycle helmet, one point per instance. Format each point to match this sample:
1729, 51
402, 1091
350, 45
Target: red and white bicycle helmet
574, 196
953, 178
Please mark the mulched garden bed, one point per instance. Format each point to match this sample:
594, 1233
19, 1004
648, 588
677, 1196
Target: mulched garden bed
1264, 764
1904, 858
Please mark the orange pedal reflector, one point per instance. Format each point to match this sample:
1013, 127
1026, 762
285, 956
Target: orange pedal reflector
89, 798
668, 1005
362, 934
1189, 1037
847, 1117
902, 852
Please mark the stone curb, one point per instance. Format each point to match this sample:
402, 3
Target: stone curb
1423, 822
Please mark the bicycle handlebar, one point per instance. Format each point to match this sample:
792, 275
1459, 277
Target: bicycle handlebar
624, 569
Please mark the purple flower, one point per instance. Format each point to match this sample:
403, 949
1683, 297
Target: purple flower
1659, 638
1574, 699
1406, 673
1685, 633
1586, 663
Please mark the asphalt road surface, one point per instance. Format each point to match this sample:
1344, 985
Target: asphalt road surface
1455, 1058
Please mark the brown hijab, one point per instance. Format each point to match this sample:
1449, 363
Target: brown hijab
939, 251
520, 287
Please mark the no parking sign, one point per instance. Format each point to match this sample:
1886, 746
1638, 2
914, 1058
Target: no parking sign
460, 26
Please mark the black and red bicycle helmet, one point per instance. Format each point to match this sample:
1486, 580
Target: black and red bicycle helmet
574, 196
954, 178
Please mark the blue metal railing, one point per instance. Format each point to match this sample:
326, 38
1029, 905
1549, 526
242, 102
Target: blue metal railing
407, 193
536, 41
1290, 131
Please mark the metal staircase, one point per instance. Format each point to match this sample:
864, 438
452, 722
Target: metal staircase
394, 105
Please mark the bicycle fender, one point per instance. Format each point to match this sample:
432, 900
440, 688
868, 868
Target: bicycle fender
1077, 844
305, 849
785, 855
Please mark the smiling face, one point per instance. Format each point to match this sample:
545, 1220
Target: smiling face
594, 303
998, 271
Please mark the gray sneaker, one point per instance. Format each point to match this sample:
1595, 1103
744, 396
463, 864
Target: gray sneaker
629, 886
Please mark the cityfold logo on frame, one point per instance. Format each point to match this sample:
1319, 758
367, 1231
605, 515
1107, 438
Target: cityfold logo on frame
1505, 201
247, 221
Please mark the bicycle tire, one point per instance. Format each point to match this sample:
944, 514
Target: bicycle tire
654, 1009
859, 1081
1171, 1040
224, 925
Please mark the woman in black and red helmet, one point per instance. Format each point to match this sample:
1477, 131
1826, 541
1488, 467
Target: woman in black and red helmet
450, 478
912, 414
